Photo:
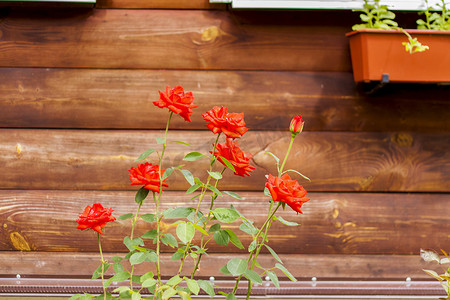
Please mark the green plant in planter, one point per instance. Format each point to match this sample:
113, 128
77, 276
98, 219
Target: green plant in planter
377, 16
444, 279
435, 20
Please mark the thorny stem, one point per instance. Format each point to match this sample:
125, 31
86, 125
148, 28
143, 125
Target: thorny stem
286, 156
133, 225
103, 265
157, 202
202, 195
267, 226
208, 218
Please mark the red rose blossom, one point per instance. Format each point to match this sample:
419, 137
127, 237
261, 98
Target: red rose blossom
177, 101
147, 175
231, 124
296, 125
287, 190
238, 158
95, 217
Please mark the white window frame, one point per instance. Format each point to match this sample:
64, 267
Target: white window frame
412, 5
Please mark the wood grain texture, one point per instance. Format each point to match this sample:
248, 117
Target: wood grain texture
335, 161
165, 4
172, 39
332, 223
35, 97
74, 264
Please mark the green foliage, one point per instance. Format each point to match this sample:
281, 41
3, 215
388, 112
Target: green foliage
436, 20
145, 154
141, 194
375, 16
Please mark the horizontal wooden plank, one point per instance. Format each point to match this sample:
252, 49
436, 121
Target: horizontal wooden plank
167, 4
332, 223
335, 161
35, 97
174, 39
302, 266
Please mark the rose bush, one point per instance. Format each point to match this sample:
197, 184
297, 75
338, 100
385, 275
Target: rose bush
207, 226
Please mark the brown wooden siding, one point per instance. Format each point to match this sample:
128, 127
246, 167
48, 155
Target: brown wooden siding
75, 111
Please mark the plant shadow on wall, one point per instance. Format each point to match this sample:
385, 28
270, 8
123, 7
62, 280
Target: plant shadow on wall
208, 226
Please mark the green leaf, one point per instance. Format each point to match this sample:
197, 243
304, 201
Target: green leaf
285, 271
253, 276
233, 194
178, 212
225, 215
207, 287
274, 254
183, 143
221, 237
119, 277
168, 172
225, 270
131, 244
193, 188
176, 256
214, 190
227, 163
116, 259
185, 232
193, 156
141, 195
248, 228
137, 258
146, 276
152, 257
150, 234
149, 282
193, 286
214, 228
199, 228
160, 140
287, 223
149, 218
234, 239
98, 272
188, 176
231, 296
297, 172
252, 246
273, 277
145, 154
175, 280
126, 216
274, 156
169, 240
122, 289
215, 175
237, 266
135, 296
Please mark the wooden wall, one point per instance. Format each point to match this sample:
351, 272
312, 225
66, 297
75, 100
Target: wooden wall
76, 87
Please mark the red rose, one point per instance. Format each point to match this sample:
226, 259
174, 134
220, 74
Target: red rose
296, 125
177, 101
95, 217
238, 158
287, 190
231, 124
147, 175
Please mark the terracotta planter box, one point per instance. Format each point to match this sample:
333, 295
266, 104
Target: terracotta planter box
376, 52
